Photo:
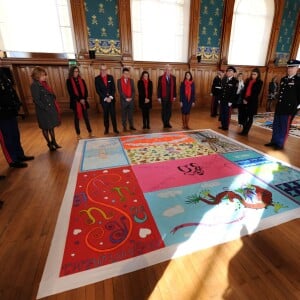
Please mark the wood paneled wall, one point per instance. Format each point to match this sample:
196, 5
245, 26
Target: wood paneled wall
57, 75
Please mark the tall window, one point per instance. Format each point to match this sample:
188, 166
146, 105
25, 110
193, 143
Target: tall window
36, 26
160, 30
250, 32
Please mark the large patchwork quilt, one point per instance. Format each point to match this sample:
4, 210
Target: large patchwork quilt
133, 201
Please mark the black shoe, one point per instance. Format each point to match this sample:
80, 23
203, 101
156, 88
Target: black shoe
144, 127
51, 147
106, 131
243, 133
148, 127
116, 131
2, 177
223, 128
55, 145
132, 128
1, 203
276, 147
169, 126
26, 158
18, 164
125, 129
270, 144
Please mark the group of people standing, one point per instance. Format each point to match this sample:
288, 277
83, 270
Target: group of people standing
48, 110
230, 92
166, 94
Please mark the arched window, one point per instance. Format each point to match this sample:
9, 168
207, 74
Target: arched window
36, 26
160, 30
250, 32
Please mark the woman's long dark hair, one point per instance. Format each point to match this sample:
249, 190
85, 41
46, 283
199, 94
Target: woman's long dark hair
188, 72
143, 73
71, 71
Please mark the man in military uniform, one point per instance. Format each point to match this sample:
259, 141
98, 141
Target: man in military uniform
216, 91
287, 105
229, 88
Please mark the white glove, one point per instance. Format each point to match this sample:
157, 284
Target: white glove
229, 104
298, 107
159, 100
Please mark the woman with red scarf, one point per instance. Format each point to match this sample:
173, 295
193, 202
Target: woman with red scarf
187, 98
78, 100
250, 95
145, 89
47, 110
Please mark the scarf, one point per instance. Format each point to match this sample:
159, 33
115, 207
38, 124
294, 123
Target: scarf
75, 87
146, 87
188, 89
48, 88
249, 88
126, 87
164, 86
79, 106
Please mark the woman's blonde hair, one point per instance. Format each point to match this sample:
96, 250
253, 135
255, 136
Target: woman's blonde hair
37, 73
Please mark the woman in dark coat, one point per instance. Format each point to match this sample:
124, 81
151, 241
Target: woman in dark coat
250, 95
45, 106
187, 98
78, 99
145, 89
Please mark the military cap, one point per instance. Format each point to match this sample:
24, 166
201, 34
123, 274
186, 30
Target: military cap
293, 63
231, 68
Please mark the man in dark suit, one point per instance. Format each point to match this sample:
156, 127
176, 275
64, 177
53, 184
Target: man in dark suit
127, 92
106, 89
287, 105
166, 94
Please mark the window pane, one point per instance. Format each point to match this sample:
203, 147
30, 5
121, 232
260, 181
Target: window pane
163, 37
44, 31
250, 32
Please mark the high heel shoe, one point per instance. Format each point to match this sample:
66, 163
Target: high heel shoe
55, 145
51, 147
